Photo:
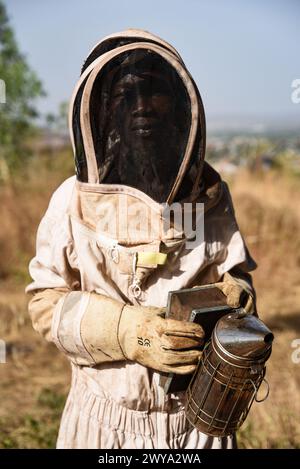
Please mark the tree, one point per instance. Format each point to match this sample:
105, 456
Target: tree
22, 87
58, 122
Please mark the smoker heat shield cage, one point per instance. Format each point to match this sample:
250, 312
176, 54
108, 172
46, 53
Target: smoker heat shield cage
226, 382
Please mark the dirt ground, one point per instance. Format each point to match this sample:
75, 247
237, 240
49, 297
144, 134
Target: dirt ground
35, 378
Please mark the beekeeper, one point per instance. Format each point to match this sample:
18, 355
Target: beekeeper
106, 259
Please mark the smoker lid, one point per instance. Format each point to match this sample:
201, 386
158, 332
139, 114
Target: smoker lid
243, 335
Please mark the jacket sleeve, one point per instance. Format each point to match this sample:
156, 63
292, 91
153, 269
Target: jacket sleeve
229, 257
237, 262
83, 325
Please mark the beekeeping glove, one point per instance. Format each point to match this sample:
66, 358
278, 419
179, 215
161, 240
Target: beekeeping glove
166, 345
238, 292
92, 329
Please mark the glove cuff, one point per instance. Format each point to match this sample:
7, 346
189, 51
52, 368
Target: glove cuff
99, 328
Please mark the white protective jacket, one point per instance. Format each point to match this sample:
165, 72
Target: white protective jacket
115, 403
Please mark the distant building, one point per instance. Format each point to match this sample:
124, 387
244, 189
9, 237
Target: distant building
226, 167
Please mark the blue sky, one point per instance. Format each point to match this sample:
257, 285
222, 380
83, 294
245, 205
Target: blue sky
243, 54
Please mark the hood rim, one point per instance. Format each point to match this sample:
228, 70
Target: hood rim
137, 33
197, 108
127, 33
85, 123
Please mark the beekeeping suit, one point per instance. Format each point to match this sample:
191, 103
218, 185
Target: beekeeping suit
106, 257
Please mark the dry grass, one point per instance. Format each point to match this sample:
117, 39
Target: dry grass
34, 381
23, 201
267, 208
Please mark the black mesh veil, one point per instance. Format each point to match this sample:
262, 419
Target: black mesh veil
140, 115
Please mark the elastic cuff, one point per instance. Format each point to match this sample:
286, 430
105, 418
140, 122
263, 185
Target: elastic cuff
99, 328
66, 323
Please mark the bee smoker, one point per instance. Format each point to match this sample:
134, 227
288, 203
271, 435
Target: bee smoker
229, 374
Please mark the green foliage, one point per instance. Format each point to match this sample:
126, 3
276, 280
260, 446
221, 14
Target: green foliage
52, 400
38, 430
22, 86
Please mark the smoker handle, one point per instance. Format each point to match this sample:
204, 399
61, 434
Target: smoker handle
256, 390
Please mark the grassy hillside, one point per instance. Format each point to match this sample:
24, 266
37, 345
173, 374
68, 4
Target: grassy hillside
35, 379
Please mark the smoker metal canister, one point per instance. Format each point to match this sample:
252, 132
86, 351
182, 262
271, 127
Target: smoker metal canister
229, 374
